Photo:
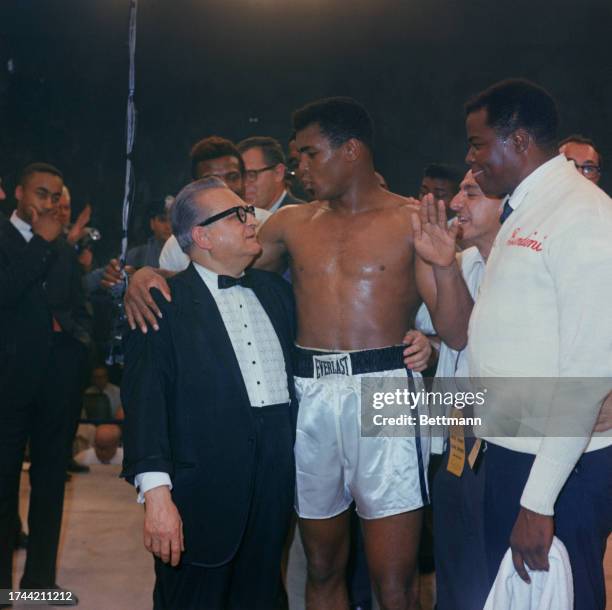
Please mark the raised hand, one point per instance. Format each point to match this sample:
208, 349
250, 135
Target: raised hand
77, 231
45, 224
434, 241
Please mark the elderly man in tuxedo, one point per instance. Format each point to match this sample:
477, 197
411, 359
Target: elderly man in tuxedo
210, 413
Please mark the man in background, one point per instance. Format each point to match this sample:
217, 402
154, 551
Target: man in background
148, 253
442, 181
265, 171
582, 152
35, 384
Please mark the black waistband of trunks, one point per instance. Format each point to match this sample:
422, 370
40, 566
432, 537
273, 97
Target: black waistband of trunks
363, 361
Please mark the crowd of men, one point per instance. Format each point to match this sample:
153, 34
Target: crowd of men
242, 390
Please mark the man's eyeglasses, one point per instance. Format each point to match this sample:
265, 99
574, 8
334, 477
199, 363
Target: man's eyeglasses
252, 174
586, 169
228, 177
241, 212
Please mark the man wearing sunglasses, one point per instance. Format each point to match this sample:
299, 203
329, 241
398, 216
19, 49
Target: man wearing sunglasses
210, 414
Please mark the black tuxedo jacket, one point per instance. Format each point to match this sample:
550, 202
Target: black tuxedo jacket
188, 413
25, 317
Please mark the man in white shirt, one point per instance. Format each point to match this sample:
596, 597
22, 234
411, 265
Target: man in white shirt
543, 311
105, 449
101, 385
461, 579
210, 413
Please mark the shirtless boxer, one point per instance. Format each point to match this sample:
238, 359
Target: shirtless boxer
351, 256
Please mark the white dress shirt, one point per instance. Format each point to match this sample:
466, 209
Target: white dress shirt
453, 363
23, 227
257, 348
112, 392
277, 203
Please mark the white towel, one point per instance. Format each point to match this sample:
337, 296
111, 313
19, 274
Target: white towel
552, 590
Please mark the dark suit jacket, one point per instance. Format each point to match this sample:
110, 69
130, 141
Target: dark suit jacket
188, 412
289, 199
65, 293
25, 317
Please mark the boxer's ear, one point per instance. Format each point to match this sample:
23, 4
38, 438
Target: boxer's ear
353, 149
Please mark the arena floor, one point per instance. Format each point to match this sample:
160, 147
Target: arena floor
102, 558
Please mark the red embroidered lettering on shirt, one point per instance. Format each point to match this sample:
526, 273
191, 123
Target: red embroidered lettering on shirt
525, 242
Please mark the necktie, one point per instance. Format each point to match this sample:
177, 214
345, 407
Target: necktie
506, 212
227, 281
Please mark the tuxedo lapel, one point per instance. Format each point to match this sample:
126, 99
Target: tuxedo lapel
216, 340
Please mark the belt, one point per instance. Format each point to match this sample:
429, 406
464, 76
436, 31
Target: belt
363, 361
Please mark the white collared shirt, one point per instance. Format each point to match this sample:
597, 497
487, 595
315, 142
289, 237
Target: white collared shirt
453, 363
22, 226
543, 309
277, 203
257, 348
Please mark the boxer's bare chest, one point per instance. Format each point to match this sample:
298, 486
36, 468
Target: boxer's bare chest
367, 246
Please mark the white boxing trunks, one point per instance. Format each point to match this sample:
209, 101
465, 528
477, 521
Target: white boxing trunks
334, 464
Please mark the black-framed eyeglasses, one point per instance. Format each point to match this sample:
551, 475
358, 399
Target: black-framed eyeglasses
588, 169
252, 174
241, 212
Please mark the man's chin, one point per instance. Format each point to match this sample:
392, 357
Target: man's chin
488, 189
255, 250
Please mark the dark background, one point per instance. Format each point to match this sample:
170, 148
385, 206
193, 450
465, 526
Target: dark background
239, 67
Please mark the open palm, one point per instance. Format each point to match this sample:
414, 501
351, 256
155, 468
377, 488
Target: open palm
435, 242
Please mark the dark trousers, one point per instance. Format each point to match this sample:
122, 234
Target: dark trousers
250, 580
583, 515
47, 423
460, 559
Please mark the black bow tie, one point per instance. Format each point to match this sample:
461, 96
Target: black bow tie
227, 281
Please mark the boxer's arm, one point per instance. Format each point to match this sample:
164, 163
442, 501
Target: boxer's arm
271, 238
448, 300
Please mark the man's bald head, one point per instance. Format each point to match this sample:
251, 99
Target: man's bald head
106, 442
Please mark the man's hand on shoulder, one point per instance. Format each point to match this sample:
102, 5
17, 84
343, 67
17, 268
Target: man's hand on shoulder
530, 542
163, 527
140, 307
